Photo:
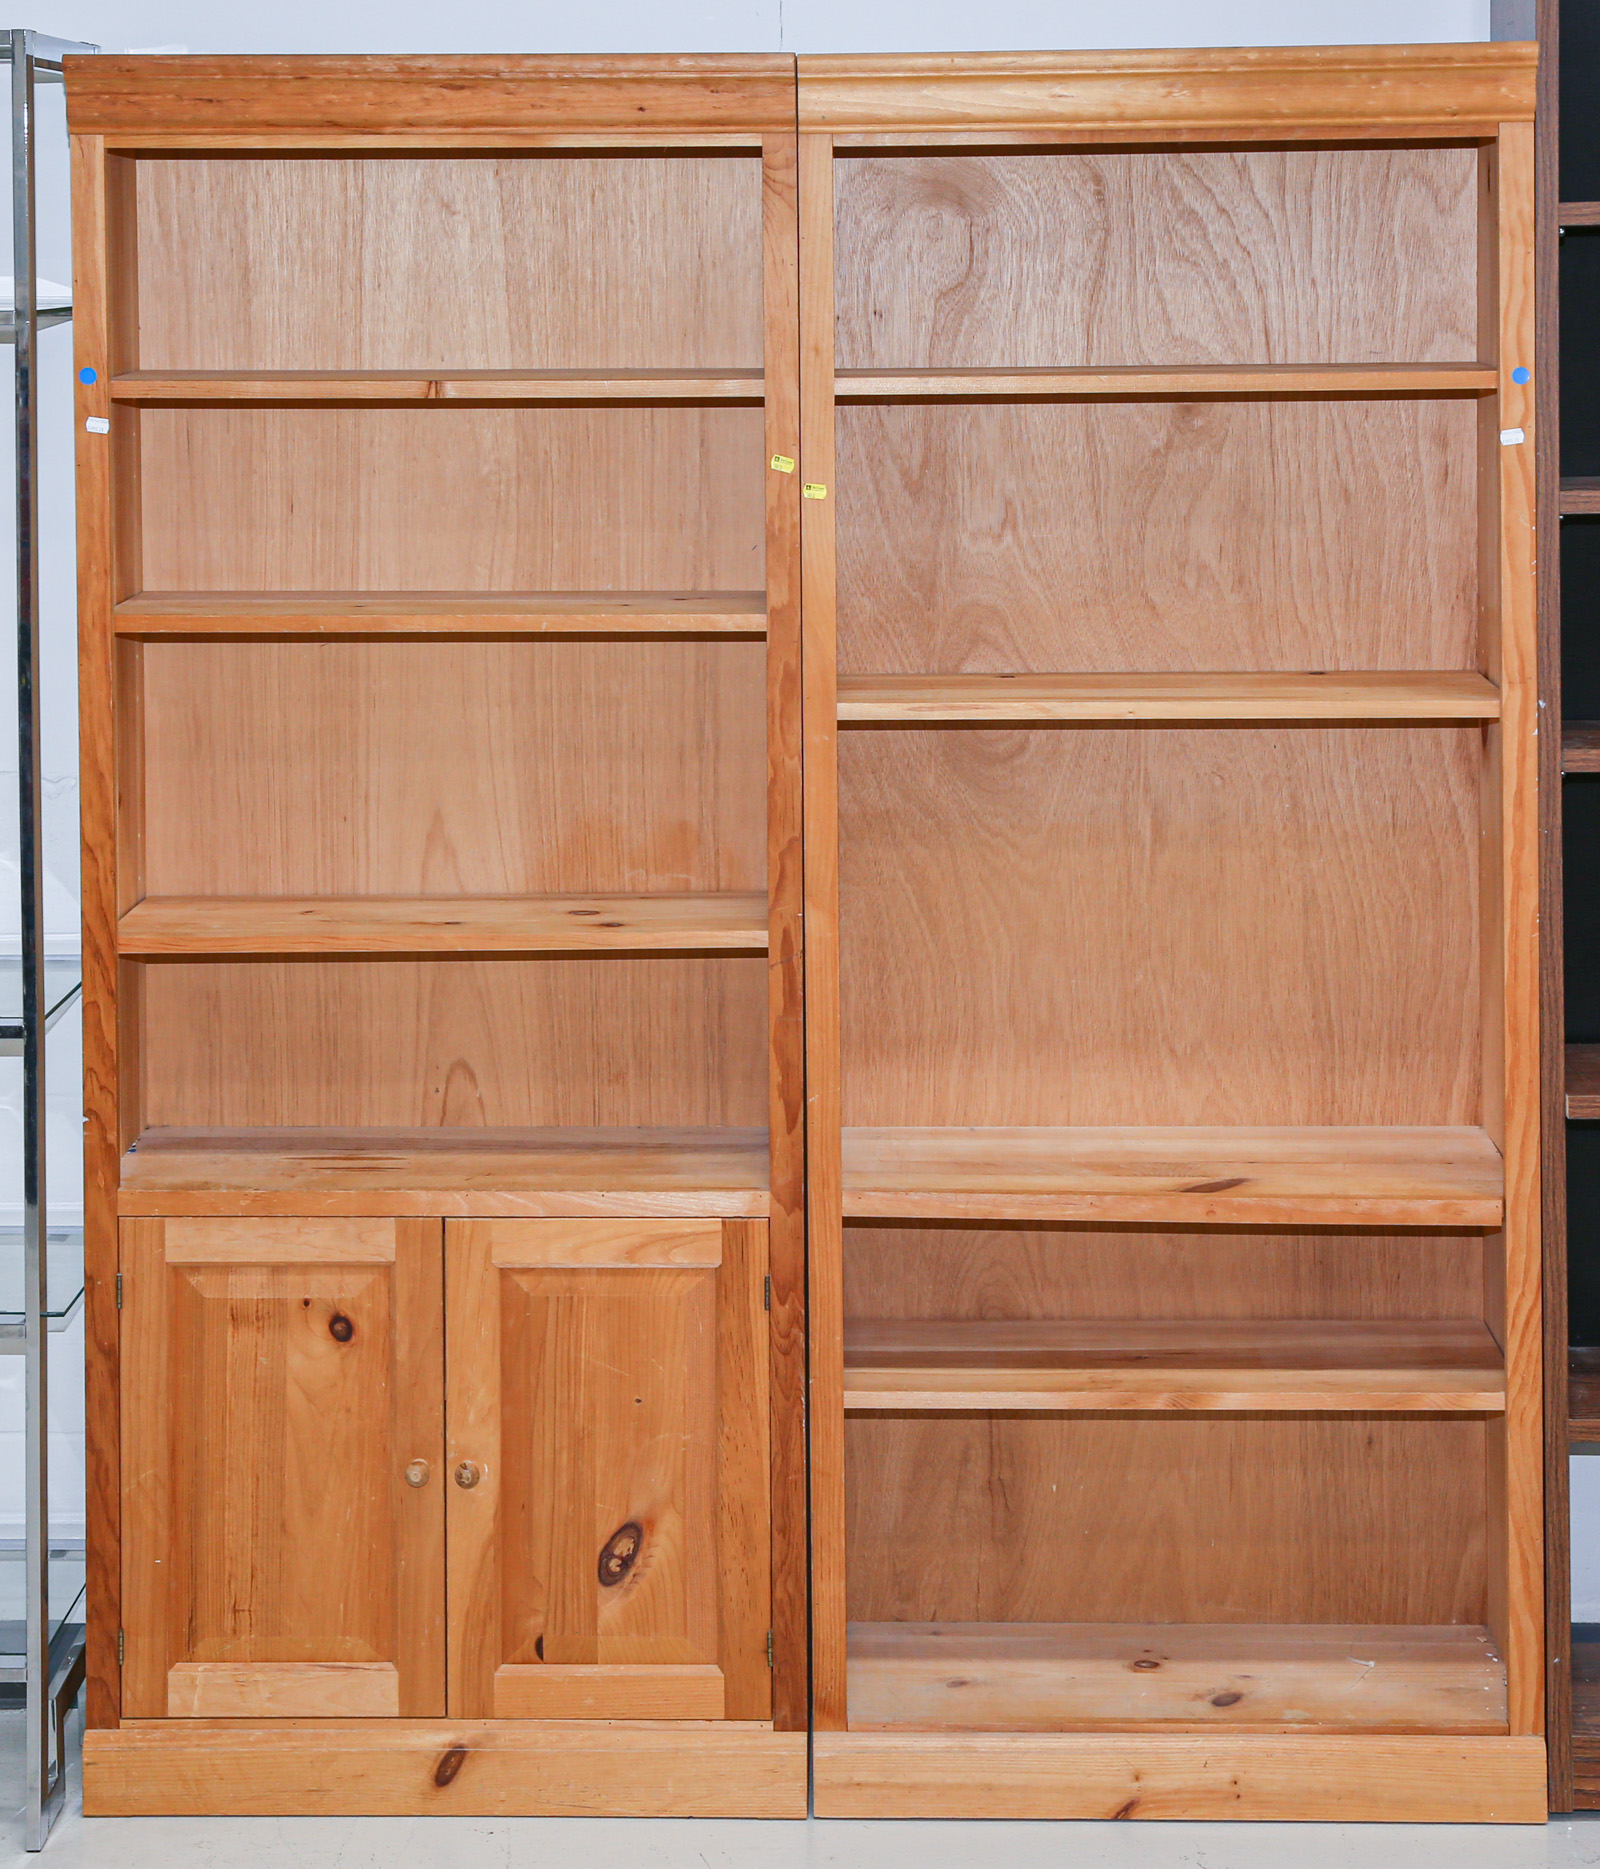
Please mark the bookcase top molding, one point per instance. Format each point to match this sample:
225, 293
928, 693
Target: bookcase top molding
1253, 94
245, 102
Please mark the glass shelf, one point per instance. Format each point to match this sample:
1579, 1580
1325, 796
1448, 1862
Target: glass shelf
66, 1605
63, 982
63, 1274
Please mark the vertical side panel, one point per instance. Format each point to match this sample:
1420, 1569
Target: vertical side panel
1552, 1069
418, 1323
146, 1481
91, 211
743, 1543
823, 1101
1519, 792
472, 1433
785, 890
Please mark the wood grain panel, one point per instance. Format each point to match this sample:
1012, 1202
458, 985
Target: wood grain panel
269, 1408
1198, 256
1255, 94
100, 278
614, 1416
1029, 1676
413, 386
610, 1691
464, 1172
1132, 1272
447, 498
1338, 1176
1326, 1777
272, 1690
1510, 473
406, 101
786, 1232
154, 614
330, 768
1059, 537
1276, 1366
1187, 1518
351, 1043
1182, 383
566, 924
899, 700
574, 1243
505, 1768
824, 1175
1131, 906
418, 263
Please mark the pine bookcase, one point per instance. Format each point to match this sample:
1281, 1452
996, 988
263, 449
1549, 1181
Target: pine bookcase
442, 889
1171, 911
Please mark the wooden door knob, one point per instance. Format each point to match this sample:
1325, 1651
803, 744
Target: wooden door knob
417, 1473
467, 1473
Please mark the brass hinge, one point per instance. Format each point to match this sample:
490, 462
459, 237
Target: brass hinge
119, 1648
769, 1291
769, 1649
119, 1291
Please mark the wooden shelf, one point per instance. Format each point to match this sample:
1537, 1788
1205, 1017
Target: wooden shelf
1580, 493
439, 386
170, 925
156, 614
459, 1172
1261, 1177
1042, 1677
1236, 1365
1578, 214
1583, 1082
1274, 381
1580, 747
890, 700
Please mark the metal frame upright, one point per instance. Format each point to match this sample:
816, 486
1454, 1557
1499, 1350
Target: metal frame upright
53, 1668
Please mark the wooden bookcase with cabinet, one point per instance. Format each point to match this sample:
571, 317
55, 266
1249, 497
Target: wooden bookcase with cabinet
441, 731
1171, 883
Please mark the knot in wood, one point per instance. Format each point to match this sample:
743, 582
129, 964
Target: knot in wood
620, 1552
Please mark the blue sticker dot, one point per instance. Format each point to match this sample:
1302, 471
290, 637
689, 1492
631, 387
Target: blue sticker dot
86, 375
1520, 374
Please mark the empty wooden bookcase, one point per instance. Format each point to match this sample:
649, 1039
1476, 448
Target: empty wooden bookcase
441, 728
1171, 933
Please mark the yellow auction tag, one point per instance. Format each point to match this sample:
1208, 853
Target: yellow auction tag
783, 464
814, 490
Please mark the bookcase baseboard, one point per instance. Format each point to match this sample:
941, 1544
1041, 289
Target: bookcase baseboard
1334, 1778
412, 1768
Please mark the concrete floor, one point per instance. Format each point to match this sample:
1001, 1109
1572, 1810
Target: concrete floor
579, 1843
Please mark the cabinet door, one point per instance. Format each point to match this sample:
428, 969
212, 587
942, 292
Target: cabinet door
608, 1435
282, 1468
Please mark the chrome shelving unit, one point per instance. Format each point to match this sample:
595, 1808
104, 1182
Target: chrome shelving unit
51, 1663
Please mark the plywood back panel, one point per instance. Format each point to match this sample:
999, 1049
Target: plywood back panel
469, 499
1194, 926
1172, 257
355, 1044
414, 263
1085, 1272
1153, 536
1006, 1518
468, 768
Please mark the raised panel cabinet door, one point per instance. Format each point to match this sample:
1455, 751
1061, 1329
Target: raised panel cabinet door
609, 1543
282, 1468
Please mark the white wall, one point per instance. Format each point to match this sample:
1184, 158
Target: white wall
750, 25
353, 26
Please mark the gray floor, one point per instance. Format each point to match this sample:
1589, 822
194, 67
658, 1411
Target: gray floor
556, 1843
